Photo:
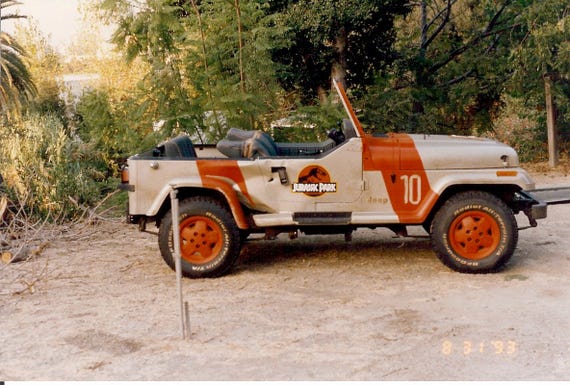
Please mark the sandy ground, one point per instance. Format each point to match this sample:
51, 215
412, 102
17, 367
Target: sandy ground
316, 308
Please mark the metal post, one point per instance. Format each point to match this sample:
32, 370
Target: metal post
177, 257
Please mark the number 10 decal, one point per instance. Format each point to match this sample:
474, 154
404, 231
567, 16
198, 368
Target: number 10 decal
412, 189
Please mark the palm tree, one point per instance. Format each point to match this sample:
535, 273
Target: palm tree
16, 84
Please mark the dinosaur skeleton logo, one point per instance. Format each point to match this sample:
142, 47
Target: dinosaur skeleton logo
314, 181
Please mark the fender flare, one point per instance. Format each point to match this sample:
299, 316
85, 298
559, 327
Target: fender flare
208, 183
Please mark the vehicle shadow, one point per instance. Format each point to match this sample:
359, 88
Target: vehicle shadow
369, 248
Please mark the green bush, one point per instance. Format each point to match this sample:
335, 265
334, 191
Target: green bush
523, 129
44, 168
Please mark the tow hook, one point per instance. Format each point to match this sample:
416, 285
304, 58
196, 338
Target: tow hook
532, 222
142, 224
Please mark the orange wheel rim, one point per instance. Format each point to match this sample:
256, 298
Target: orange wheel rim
201, 239
474, 235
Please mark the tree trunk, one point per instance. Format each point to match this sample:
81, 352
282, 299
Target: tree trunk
240, 47
551, 122
339, 66
322, 95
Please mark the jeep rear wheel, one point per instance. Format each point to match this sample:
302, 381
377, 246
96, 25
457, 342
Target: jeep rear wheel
209, 238
474, 232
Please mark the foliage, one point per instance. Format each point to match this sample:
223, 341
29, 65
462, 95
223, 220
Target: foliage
349, 40
309, 123
204, 58
454, 61
106, 131
522, 128
545, 51
44, 167
45, 67
460, 59
56, 164
16, 85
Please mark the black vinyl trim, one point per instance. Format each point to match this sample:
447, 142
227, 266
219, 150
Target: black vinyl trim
322, 218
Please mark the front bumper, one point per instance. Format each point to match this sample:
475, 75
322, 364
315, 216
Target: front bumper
538, 200
539, 210
533, 207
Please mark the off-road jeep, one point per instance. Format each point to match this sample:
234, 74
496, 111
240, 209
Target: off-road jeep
464, 191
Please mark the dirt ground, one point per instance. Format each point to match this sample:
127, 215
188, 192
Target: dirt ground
315, 308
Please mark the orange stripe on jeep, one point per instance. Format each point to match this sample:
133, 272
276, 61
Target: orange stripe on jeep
404, 175
210, 173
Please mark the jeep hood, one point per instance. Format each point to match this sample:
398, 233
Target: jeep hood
462, 152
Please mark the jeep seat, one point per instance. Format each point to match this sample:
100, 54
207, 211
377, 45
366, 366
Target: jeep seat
230, 148
239, 134
247, 144
260, 145
179, 147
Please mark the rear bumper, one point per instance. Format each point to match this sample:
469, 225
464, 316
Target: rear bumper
126, 187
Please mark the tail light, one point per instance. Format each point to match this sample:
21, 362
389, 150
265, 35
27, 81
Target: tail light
125, 174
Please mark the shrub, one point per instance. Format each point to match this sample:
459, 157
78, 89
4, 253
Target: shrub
523, 129
46, 168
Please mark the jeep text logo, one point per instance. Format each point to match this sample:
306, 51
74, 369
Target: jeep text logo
314, 181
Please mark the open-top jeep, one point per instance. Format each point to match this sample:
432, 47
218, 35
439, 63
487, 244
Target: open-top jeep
464, 191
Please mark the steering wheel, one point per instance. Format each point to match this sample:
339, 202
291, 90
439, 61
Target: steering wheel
336, 135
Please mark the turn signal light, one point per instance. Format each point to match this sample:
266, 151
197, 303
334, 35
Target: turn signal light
507, 173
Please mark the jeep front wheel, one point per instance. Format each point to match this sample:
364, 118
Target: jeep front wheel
209, 238
474, 232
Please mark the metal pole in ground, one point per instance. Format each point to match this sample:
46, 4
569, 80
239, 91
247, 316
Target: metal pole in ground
177, 258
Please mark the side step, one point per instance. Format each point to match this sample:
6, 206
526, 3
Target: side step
322, 218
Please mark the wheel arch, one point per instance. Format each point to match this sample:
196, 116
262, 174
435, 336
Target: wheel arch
505, 192
232, 204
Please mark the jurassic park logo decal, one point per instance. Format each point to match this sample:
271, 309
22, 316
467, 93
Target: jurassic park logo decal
314, 181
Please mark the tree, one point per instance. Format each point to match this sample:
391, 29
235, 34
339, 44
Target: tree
349, 40
453, 66
45, 67
542, 61
16, 85
209, 62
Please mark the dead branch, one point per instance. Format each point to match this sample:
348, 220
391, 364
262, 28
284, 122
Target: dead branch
24, 238
3, 207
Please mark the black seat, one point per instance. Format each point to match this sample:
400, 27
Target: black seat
260, 145
239, 134
179, 147
247, 144
231, 148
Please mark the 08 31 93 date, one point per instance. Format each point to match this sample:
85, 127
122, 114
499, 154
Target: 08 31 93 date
468, 347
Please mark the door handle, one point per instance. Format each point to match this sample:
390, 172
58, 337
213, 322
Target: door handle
282, 172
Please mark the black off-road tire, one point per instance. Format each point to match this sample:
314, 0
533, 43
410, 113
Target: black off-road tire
474, 232
209, 237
